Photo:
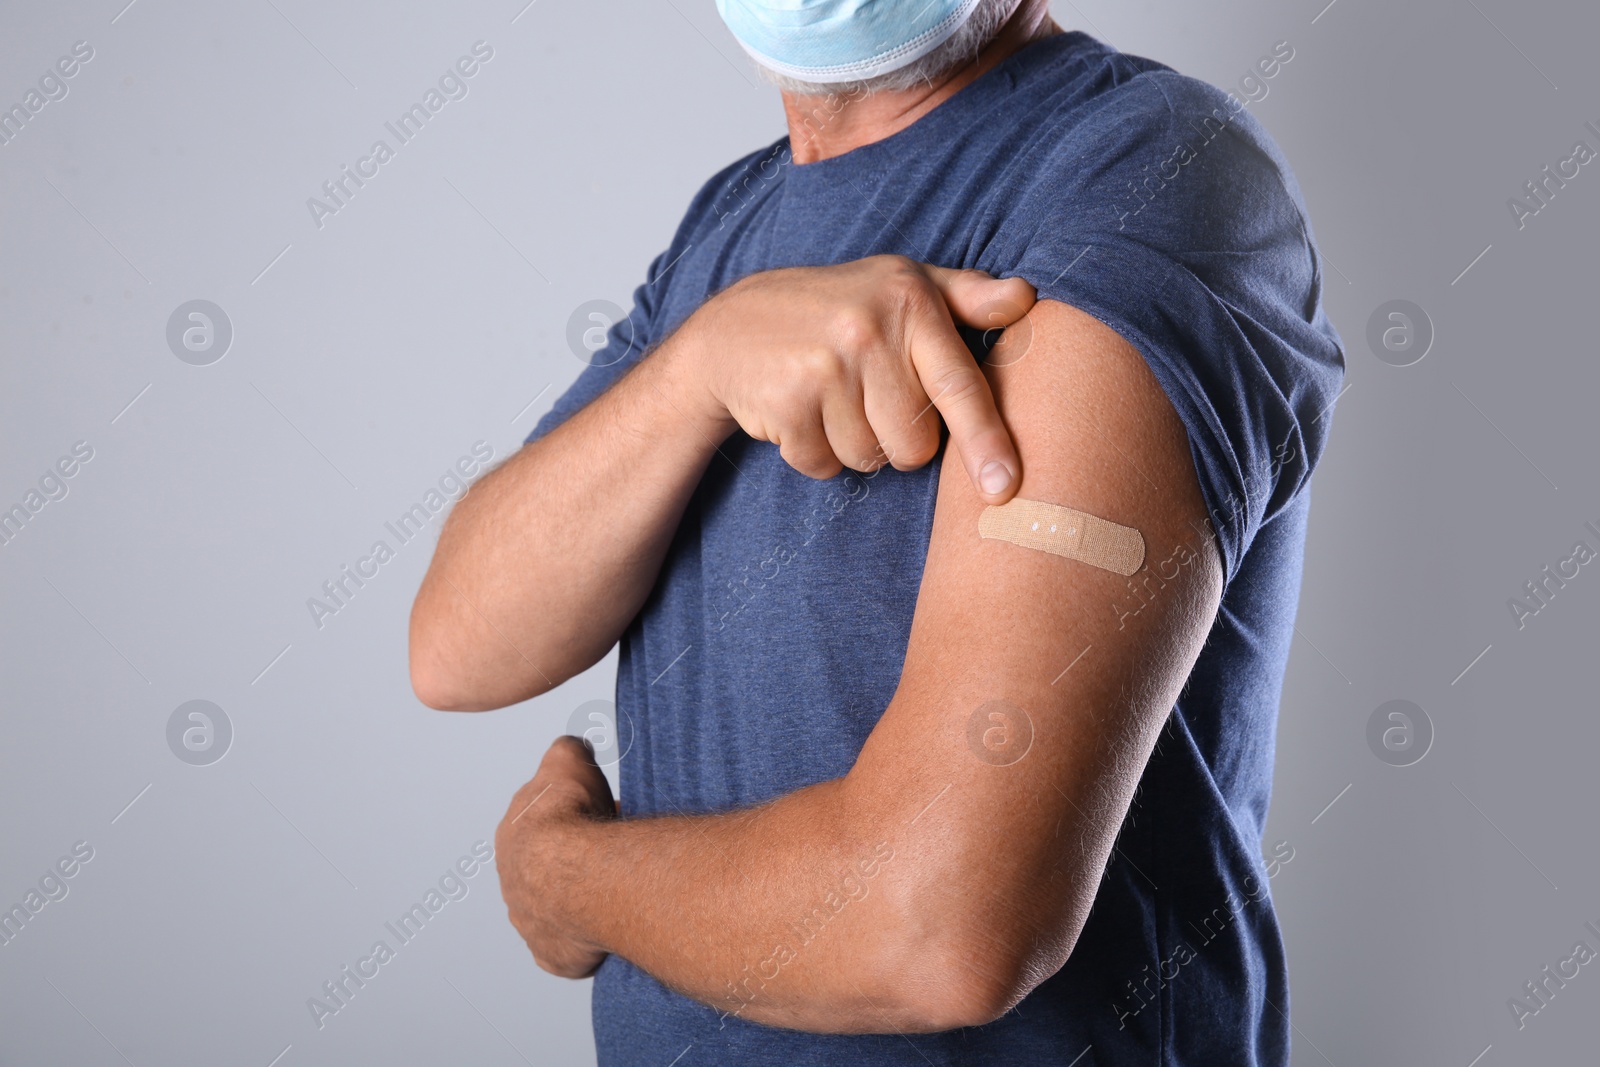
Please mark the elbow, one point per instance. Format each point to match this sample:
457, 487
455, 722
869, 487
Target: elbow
955, 994
437, 692
961, 933
448, 674
447, 687
953, 1008
972, 979
436, 686
439, 679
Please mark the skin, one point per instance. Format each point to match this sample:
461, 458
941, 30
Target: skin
993, 868
541, 567
864, 119
934, 885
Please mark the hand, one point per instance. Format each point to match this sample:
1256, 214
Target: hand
567, 793
843, 366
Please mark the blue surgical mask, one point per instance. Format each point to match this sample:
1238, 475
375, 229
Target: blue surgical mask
828, 41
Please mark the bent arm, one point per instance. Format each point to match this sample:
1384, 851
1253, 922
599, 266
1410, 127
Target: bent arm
541, 567
937, 883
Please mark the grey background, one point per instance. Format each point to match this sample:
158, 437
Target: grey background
431, 313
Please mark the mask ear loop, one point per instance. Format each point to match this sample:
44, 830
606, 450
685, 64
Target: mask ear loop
1064, 532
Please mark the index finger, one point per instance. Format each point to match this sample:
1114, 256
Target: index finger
959, 390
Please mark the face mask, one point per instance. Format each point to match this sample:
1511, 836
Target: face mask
842, 40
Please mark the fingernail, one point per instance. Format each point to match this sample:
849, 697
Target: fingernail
995, 477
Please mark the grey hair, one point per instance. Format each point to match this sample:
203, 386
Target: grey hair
962, 48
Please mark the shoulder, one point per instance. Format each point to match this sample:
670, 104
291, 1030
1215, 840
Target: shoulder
734, 188
1156, 203
1143, 145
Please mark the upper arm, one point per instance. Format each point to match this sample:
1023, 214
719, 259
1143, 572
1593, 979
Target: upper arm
1028, 794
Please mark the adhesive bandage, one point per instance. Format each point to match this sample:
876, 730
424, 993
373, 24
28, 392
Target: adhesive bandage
1065, 532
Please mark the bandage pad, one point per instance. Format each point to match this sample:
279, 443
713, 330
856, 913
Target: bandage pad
1065, 532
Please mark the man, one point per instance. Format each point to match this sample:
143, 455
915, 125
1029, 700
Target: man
899, 792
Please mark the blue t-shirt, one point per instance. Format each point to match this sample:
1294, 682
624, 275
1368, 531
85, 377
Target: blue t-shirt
776, 632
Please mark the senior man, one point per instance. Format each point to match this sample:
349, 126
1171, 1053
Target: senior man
901, 790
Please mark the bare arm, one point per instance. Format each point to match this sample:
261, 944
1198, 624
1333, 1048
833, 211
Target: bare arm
544, 563
938, 882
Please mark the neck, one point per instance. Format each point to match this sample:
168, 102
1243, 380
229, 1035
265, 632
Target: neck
824, 125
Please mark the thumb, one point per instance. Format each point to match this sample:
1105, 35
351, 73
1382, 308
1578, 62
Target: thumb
975, 298
571, 760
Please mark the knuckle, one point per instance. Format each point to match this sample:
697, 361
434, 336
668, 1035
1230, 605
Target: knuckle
811, 461
916, 451
959, 387
810, 374
893, 262
856, 330
910, 287
895, 270
922, 453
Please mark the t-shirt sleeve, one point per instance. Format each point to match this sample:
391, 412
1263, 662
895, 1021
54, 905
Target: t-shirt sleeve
626, 340
1170, 216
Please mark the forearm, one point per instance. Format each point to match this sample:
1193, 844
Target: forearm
806, 913
542, 565
952, 869
547, 559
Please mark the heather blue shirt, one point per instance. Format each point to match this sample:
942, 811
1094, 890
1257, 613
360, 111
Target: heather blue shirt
777, 629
